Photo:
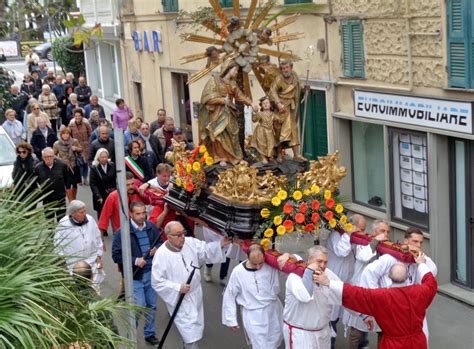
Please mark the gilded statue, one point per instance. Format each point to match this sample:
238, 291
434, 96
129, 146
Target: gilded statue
218, 126
325, 172
263, 138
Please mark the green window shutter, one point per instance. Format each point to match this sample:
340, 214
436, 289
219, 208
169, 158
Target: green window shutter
471, 42
290, 2
226, 3
346, 49
357, 50
170, 5
458, 49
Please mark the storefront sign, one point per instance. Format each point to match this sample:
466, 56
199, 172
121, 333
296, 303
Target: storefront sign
426, 112
9, 48
26, 45
154, 36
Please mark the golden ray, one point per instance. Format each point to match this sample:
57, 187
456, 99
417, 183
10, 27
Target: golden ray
247, 89
257, 73
211, 26
287, 37
194, 57
252, 7
285, 22
200, 38
262, 15
202, 73
236, 7
221, 14
279, 54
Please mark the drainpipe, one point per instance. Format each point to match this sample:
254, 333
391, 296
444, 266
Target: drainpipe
408, 38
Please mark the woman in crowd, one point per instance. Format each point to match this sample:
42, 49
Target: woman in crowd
23, 170
71, 106
102, 179
131, 133
121, 115
42, 137
29, 87
33, 118
81, 130
66, 148
13, 127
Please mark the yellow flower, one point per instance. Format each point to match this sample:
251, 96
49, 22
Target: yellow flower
315, 189
327, 194
348, 227
276, 201
265, 243
282, 195
202, 149
281, 230
343, 219
291, 230
206, 155
339, 208
209, 161
268, 233
265, 213
306, 192
196, 166
297, 195
178, 182
332, 223
277, 220
189, 167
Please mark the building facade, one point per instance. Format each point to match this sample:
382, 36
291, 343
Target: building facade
391, 88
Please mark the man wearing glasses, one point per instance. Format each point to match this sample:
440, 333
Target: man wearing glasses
173, 263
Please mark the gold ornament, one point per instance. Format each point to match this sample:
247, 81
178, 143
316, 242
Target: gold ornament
324, 173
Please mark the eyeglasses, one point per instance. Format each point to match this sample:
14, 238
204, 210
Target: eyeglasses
36, 108
22, 152
178, 235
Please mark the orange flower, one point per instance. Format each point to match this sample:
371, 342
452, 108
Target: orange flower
309, 227
189, 187
330, 203
315, 217
329, 215
287, 208
303, 207
315, 204
299, 218
288, 224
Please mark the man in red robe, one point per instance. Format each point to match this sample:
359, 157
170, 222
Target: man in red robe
399, 311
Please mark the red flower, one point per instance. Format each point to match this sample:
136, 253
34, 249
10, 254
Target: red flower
303, 207
330, 203
287, 208
181, 172
202, 160
195, 151
315, 217
309, 227
189, 187
315, 205
299, 218
329, 215
288, 224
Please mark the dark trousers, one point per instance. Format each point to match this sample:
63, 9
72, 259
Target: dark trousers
58, 210
358, 338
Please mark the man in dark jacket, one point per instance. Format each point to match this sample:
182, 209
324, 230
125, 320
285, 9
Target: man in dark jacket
151, 142
42, 137
104, 141
52, 174
145, 238
83, 92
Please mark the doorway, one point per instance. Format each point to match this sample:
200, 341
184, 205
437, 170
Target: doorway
182, 102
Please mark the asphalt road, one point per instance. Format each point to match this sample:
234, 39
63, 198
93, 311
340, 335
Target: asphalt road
450, 322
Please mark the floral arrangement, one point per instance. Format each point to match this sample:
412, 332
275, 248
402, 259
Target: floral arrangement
302, 209
190, 169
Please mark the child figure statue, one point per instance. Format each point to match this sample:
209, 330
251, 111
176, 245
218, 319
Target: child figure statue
263, 139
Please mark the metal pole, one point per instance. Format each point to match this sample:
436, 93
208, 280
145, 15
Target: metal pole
50, 33
305, 100
125, 231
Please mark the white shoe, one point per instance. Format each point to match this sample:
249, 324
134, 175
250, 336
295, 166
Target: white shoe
223, 281
207, 274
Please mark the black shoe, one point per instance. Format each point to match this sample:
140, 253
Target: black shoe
106, 233
152, 340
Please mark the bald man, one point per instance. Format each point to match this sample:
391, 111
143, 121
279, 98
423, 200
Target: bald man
255, 286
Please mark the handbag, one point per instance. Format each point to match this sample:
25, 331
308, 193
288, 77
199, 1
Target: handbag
80, 160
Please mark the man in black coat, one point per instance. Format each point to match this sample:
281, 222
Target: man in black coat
104, 141
145, 238
53, 175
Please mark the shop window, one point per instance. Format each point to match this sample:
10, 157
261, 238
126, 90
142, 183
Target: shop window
170, 5
368, 165
409, 180
352, 38
290, 2
226, 3
461, 43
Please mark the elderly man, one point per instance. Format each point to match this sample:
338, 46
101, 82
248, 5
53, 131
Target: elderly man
19, 101
83, 92
160, 120
173, 263
49, 78
13, 127
49, 103
398, 310
103, 141
152, 143
308, 305
360, 324
52, 174
78, 238
255, 286
94, 105
145, 239
42, 70
165, 133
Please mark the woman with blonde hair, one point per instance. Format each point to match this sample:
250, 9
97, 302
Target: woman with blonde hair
102, 179
66, 148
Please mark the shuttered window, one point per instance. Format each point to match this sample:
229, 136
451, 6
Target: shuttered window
170, 5
352, 38
289, 2
461, 43
226, 3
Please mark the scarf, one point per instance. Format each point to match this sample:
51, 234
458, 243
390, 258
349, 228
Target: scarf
65, 147
147, 141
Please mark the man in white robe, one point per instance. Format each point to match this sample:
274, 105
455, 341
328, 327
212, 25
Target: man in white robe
78, 238
255, 286
172, 265
360, 324
377, 273
308, 306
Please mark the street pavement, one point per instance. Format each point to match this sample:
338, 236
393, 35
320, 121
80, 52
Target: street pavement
450, 322
19, 68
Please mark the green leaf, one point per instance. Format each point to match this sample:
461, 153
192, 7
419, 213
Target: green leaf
80, 20
81, 38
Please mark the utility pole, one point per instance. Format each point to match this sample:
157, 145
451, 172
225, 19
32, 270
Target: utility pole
46, 7
125, 234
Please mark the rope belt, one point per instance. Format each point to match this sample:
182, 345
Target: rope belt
291, 327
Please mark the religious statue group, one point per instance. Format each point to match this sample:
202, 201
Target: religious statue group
276, 115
